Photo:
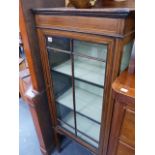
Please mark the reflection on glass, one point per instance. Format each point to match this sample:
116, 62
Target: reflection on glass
58, 42
62, 86
88, 130
126, 56
88, 100
89, 70
60, 62
90, 49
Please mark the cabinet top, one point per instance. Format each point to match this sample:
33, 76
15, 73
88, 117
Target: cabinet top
94, 12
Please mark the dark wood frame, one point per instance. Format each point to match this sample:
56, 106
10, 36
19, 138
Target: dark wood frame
44, 56
116, 38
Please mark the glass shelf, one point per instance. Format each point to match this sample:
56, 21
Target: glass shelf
90, 128
85, 69
93, 50
88, 100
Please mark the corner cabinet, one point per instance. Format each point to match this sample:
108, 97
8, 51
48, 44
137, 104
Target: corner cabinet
82, 52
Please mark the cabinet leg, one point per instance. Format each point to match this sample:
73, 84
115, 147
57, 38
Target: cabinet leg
58, 144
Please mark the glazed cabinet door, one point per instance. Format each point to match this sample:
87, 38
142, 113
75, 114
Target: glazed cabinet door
77, 71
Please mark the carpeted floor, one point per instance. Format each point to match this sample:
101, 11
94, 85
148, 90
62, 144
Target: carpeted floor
28, 142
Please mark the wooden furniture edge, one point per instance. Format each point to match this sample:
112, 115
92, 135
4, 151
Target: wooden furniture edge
97, 12
34, 102
124, 85
123, 89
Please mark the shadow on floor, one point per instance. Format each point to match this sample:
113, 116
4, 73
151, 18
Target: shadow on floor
28, 142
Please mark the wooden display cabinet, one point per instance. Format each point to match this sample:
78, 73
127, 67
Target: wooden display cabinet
82, 52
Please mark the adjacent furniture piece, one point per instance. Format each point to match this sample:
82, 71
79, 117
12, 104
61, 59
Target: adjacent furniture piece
24, 82
122, 137
82, 52
35, 95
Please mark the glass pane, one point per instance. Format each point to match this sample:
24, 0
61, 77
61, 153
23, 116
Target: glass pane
126, 56
60, 62
90, 49
88, 100
89, 88
58, 42
89, 70
62, 85
88, 63
88, 130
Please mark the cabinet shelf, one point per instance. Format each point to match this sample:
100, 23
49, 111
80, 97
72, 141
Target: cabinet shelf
88, 104
88, 71
82, 54
84, 125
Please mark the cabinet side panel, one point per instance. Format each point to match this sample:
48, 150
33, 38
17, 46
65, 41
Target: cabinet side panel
124, 150
127, 133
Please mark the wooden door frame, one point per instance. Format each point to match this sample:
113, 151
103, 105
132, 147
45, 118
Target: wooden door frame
108, 80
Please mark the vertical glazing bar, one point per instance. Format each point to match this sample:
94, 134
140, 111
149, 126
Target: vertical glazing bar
74, 104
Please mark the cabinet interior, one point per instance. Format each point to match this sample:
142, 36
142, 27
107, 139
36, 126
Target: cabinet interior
78, 75
78, 71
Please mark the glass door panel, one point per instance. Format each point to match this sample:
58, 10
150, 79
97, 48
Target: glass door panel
63, 90
88, 130
89, 76
89, 100
78, 74
83, 48
89, 70
58, 43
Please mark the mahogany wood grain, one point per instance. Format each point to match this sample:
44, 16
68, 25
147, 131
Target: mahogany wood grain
127, 133
123, 149
79, 24
129, 24
38, 105
25, 39
115, 27
117, 50
126, 81
122, 135
24, 82
49, 84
